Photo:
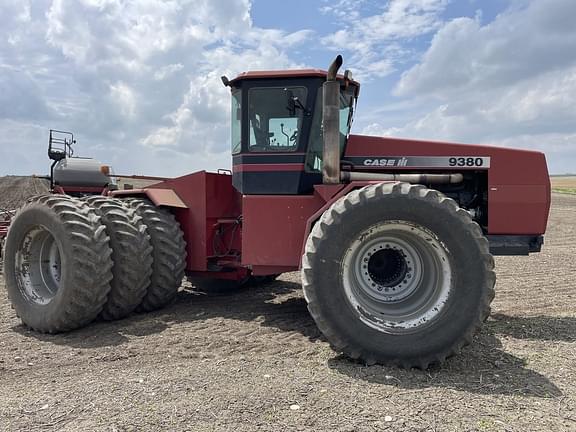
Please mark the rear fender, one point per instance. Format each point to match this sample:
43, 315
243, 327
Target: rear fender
160, 197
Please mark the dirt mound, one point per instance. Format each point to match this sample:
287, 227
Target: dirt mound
15, 190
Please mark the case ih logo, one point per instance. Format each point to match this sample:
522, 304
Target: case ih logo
386, 162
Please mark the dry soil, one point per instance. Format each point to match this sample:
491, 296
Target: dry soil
254, 360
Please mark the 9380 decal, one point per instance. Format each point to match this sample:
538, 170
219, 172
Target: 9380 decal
467, 162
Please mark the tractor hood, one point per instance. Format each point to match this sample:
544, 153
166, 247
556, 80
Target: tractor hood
518, 181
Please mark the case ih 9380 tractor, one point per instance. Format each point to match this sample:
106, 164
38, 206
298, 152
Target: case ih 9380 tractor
394, 238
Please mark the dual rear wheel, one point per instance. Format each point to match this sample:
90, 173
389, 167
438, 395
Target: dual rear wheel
69, 260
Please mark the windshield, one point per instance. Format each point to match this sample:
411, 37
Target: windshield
315, 148
275, 118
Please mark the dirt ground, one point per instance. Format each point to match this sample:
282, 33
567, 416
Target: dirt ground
566, 184
255, 361
15, 190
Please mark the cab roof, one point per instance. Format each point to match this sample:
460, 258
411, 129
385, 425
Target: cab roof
289, 73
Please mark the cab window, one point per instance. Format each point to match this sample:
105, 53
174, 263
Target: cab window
315, 146
275, 117
236, 116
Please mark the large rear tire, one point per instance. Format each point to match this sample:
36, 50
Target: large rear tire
168, 252
397, 274
131, 254
57, 263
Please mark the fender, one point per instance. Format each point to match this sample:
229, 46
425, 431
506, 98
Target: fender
330, 194
160, 197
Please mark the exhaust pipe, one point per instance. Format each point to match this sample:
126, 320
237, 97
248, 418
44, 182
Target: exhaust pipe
331, 125
348, 176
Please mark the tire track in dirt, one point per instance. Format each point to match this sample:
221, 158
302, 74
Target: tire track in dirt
15, 190
246, 323
543, 283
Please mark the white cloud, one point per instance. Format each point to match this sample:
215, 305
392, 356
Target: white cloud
541, 104
510, 82
124, 98
131, 77
343, 9
372, 41
203, 115
17, 140
168, 70
519, 44
376, 129
21, 97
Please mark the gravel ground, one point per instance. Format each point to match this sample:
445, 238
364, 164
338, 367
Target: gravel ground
255, 361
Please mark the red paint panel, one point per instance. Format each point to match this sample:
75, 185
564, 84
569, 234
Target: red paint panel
299, 73
520, 202
359, 145
209, 197
164, 197
268, 167
274, 228
160, 196
518, 192
517, 209
127, 192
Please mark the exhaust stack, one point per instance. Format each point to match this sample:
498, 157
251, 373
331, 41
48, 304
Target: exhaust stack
331, 125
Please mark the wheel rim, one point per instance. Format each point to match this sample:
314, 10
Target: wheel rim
397, 276
38, 266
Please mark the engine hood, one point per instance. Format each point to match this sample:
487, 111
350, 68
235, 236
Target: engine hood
518, 181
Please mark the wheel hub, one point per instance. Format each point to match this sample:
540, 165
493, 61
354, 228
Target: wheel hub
387, 267
388, 270
38, 265
397, 276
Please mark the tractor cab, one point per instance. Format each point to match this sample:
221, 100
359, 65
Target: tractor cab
277, 142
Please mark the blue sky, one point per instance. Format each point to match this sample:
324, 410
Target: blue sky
138, 81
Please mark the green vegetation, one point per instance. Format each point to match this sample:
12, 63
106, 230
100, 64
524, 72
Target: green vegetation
571, 191
564, 184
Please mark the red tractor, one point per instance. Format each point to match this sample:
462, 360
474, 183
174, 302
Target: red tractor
393, 238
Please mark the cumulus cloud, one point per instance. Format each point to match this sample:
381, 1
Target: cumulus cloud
372, 40
168, 70
519, 44
510, 82
131, 77
21, 97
